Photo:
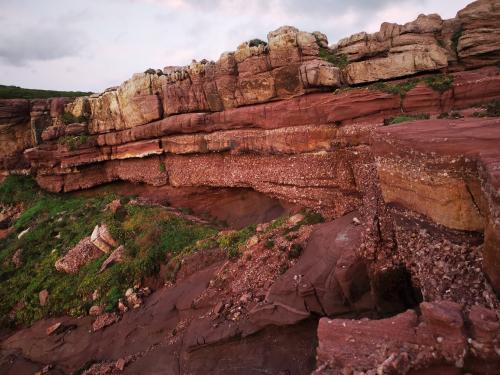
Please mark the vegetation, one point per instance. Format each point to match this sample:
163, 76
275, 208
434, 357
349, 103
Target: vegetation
338, 60
455, 38
15, 92
310, 218
492, 109
406, 118
56, 223
232, 241
73, 142
399, 88
256, 43
439, 82
69, 118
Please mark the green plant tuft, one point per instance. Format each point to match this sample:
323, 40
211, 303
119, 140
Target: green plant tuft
400, 88
439, 82
73, 142
406, 118
338, 60
256, 42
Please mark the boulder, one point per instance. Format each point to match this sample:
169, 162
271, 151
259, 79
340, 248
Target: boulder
117, 256
102, 239
84, 252
43, 297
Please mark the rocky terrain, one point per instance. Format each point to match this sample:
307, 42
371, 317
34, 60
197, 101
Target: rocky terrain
294, 207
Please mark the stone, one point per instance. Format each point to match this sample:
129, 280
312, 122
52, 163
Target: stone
295, 219
117, 256
43, 297
95, 310
17, 258
53, 328
84, 252
23, 233
105, 320
102, 239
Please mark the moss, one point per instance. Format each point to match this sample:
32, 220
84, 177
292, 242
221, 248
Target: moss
73, 142
439, 82
406, 118
338, 60
400, 88
163, 168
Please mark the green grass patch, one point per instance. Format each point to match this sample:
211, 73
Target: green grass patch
57, 223
232, 241
15, 92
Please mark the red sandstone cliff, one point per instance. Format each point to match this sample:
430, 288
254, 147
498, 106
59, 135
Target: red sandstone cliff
265, 117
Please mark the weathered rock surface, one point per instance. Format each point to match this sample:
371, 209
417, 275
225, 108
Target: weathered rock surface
81, 254
441, 340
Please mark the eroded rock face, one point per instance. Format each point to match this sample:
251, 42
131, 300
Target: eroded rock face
441, 339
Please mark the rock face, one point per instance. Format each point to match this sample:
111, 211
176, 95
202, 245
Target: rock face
413, 209
442, 339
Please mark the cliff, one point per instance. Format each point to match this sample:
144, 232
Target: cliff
392, 136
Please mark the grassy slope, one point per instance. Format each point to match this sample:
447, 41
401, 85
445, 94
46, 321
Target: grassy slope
57, 223
14, 92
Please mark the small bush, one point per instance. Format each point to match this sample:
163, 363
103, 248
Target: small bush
455, 38
400, 88
295, 251
406, 118
493, 108
73, 142
338, 60
439, 82
68, 118
269, 244
256, 42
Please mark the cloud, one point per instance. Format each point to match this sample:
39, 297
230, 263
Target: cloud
40, 44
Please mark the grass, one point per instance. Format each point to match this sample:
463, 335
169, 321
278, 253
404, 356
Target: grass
151, 235
73, 142
15, 92
406, 118
492, 109
399, 88
439, 82
232, 241
338, 60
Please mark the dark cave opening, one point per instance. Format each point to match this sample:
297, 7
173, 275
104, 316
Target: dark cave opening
395, 291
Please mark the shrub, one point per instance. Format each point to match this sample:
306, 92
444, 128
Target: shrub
295, 251
73, 142
338, 60
493, 108
439, 82
69, 118
400, 88
455, 38
406, 118
256, 42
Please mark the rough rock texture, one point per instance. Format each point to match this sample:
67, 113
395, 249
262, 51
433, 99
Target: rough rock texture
441, 340
80, 255
446, 170
416, 205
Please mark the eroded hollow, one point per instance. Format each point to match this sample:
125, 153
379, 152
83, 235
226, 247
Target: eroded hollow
395, 291
233, 207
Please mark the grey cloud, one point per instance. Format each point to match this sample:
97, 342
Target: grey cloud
39, 44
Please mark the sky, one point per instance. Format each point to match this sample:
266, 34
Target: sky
90, 45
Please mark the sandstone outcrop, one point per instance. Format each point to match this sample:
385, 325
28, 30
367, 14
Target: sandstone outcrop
412, 209
442, 339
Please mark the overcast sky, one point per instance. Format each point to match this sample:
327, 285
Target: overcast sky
93, 44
